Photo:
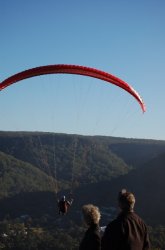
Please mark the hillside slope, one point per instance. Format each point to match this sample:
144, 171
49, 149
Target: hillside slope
17, 176
148, 184
69, 158
95, 168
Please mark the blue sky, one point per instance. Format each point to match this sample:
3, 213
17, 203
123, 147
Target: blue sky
125, 38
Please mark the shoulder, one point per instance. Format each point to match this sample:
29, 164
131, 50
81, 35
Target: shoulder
132, 217
136, 217
139, 219
91, 240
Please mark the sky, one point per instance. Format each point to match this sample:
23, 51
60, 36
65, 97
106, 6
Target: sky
124, 38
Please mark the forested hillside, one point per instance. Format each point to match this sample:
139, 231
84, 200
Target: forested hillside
17, 176
36, 168
33, 161
148, 184
72, 160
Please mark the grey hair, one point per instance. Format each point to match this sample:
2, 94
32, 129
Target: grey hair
91, 214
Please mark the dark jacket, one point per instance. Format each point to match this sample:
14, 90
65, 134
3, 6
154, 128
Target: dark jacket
63, 206
92, 239
126, 232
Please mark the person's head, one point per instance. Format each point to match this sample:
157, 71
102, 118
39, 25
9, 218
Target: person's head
126, 200
91, 214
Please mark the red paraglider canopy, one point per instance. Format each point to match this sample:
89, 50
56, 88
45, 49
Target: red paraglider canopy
73, 69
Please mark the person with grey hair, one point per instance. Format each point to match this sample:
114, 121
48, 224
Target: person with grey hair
128, 231
92, 238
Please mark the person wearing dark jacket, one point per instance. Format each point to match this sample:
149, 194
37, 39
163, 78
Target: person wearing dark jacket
64, 205
92, 238
128, 231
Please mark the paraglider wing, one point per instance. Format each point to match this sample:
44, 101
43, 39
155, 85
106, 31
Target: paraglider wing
73, 69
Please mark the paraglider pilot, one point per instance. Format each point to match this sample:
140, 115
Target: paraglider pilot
64, 205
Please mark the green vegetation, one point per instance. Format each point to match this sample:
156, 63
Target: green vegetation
30, 235
30, 160
34, 166
17, 176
